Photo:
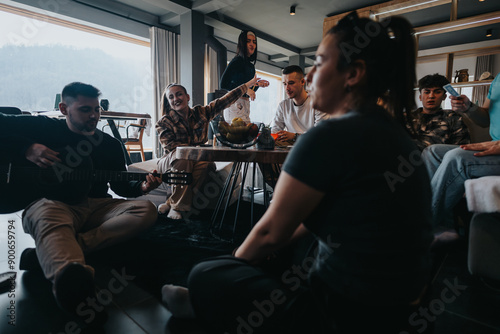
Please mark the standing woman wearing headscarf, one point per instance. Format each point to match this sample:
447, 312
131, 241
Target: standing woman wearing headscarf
240, 70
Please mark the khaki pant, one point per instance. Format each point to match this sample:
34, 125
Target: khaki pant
64, 233
182, 195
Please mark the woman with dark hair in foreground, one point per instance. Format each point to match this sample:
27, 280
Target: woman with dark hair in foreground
356, 182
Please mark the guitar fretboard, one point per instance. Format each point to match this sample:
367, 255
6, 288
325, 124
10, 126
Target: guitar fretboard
65, 174
104, 175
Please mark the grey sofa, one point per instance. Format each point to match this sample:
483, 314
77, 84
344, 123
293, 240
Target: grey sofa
483, 199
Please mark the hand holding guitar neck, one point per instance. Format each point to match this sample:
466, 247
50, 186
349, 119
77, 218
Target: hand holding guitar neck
42, 156
152, 182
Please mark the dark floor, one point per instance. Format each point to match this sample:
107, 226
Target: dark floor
166, 253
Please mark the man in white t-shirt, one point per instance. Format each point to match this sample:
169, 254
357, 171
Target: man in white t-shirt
295, 115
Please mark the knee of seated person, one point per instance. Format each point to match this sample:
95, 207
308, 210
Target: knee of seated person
438, 150
49, 211
434, 150
427, 152
152, 212
203, 272
182, 165
148, 211
457, 156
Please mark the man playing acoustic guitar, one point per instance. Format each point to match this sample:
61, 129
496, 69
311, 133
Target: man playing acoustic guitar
68, 225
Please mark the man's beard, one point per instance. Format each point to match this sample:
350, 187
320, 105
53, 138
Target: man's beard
87, 127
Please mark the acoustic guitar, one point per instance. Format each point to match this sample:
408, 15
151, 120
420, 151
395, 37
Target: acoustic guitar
20, 185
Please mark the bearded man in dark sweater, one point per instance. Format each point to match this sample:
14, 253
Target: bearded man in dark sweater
68, 226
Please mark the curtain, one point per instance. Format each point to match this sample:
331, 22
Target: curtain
165, 70
479, 93
211, 72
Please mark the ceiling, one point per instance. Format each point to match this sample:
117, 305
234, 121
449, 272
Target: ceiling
281, 35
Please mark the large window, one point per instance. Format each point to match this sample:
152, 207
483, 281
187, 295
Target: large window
38, 58
267, 99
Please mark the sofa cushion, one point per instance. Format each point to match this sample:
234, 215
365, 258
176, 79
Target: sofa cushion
483, 194
484, 246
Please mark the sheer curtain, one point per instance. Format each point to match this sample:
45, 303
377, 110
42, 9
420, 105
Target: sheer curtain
483, 64
165, 70
211, 73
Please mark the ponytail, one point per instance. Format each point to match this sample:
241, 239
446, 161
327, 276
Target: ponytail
388, 49
164, 104
400, 98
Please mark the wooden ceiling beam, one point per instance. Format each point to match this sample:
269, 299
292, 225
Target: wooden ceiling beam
64, 23
405, 7
394, 7
454, 10
465, 23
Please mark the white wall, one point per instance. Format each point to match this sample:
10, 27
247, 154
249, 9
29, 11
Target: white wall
431, 68
496, 66
468, 63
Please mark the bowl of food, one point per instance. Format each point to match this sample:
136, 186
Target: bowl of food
237, 134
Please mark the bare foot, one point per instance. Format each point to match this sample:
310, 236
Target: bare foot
164, 208
176, 299
174, 214
447, 236
444, 239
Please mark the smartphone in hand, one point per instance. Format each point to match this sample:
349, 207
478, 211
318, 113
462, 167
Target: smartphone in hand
451, 90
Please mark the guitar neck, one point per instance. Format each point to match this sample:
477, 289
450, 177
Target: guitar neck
113, 176
117, 176
72, 175
90, 175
